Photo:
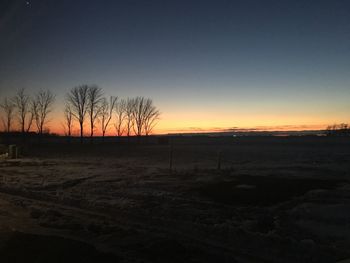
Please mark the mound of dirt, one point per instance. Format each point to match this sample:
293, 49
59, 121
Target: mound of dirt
261, 190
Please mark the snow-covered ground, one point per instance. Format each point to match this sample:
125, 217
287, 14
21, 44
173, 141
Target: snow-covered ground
270, 202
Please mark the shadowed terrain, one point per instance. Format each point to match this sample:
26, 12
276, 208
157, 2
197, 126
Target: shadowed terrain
272, 200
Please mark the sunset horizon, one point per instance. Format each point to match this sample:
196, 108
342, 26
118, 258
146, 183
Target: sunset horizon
175, 131
213, 65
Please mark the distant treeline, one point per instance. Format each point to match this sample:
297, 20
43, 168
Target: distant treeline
84, 104
342, 129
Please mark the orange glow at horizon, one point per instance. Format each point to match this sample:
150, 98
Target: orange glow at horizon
204, 122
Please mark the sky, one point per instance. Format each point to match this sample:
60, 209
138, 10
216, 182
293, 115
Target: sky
207, 65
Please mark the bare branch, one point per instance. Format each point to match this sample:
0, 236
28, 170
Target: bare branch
23, 105
120, 109
145, 116
106, 112
78, 100
41, 107
94, 97
68, 120
129, 115
8, 108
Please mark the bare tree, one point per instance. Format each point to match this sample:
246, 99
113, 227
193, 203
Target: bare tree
106, 112
25, 114
129, 115
94, 96
78, 99
343, 126
138, 115
145, 115
68, 120
151, 118
342, 129
41, 107
120, 108
8, 108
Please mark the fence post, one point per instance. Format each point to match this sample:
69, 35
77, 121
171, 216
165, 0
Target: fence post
12, 151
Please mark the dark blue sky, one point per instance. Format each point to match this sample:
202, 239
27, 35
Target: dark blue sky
205, 63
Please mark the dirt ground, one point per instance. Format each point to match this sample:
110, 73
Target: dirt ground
272, 200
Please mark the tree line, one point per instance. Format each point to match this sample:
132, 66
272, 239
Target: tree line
342, 129
83, 105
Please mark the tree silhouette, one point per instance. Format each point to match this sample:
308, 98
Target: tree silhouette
68, 120
132, 116
138, 114
106, 112
42, 106
24, 110
94, 97
129, 115
151, 118
8, 108
78, 99
120, 108
145, 115
342, 129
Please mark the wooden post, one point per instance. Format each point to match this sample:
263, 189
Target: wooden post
12, 151
17, 152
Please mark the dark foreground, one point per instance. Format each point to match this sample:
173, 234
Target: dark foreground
272, 200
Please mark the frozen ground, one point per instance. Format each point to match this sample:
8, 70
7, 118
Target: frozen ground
274, 200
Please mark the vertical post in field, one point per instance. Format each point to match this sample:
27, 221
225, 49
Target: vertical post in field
12, 152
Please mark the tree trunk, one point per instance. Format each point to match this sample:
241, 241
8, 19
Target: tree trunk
91, 130
81, 133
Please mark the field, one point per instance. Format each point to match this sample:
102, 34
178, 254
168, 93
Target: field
243, 199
